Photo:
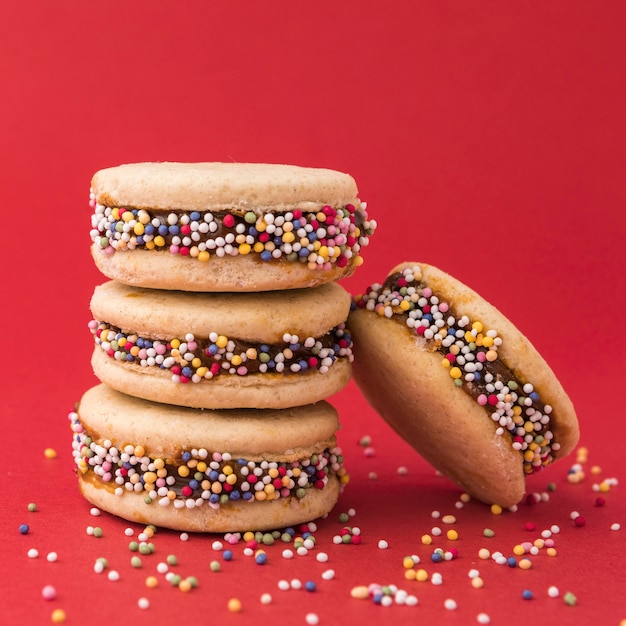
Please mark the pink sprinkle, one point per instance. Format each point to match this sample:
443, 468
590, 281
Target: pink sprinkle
229, 220
579, 521
443, 307
482, 399
49, 592
427, 292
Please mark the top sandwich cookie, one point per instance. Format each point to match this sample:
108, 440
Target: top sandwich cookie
458, 381
226, 226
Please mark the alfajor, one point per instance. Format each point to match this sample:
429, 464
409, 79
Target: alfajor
222, 350
226, 226
206, 471
459, 382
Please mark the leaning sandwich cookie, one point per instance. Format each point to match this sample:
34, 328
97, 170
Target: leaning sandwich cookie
219, 350
226, 226
459, 382
206, 471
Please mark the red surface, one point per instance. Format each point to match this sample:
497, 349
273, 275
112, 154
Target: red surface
487, 138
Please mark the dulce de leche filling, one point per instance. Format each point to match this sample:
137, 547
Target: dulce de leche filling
323, 239
191, 359
470, 355
199, 477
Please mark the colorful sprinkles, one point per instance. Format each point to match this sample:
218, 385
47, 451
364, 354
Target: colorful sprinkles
192, 359
323, 239
470, 354
198, 477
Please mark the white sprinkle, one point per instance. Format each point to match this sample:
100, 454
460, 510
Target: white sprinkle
329, 574
435, 514
89, 530
308, 543
615, 526
296, 583
411, 601
386, 601
52, 557
483, 618
312, 619
450, 604
287, 554
184, 537
473, 573
217, 546
94, 511
436, 531
402, 470
351, 512
322, 557
143, 603
553, 591
266, 598
113, 575
383, 545
356, 530
337, 540
33, 553
436, 579
302, 551
129, 532
142, 537
283, 585
162, 568
248, 551
555, 529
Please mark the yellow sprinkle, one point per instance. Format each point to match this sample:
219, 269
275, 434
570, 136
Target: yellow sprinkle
427, 540
358, 261
217, 487
202, 371
551, 551
604, 487
51, 453
234, 605
251, 354
260, 495
344, 479
159, 241
455, 372
405, 305
410, 574
261, 225
491, 355
360, 592
232, 479
478, 327
222, 341
203, 256
496, 509
421, 575
184, 585
58, 616
596, 469
259, 246
525, 564
518, 550
248, 536
539, 543
452, 534
175, 343
159, 463
127, 216
245, 248
149, 477
236, 360
288, 237
407, 562
138, 228
477, 582
183, 471
445, 363
139, 451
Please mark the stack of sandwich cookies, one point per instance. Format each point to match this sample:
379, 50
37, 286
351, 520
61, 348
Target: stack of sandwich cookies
217, 341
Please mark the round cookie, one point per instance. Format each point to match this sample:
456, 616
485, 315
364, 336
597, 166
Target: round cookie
206, 471
226, 226
459, 382
217, 350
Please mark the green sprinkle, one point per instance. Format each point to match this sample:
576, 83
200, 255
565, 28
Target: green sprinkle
343, 517
193, 581
276, 534
135, 562
145, 549
215, 566
551, 486
570, 599
105, 562
133, 546
268, 539
286, 538
300, 493
172, 560
488, 532
365, 441
32, 507
97, 532
148, 500
175, 580
250, 217
346, 538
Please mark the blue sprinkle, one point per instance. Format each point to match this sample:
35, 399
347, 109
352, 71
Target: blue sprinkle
534, 396
266, 255
261, 558
187, 372
214, 475
247, 495
527, 594
194, 216
186, 456
130, 357
303, 252
253, 231
242, 462
436, 557
310, 470
174, 230
139, 240
24, 528
163, 229
235, 495
227, 555
214, 498
148, 229
310, 585
264, 348
212, 349
511, 561
312, 237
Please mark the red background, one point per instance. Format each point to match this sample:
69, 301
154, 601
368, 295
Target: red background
487, 139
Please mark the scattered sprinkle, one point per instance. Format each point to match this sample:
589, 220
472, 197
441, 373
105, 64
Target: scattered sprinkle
49, 593
51, 453
143, 603
234, 605
58, 616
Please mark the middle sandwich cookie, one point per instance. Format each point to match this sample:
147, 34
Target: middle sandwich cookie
235, 350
